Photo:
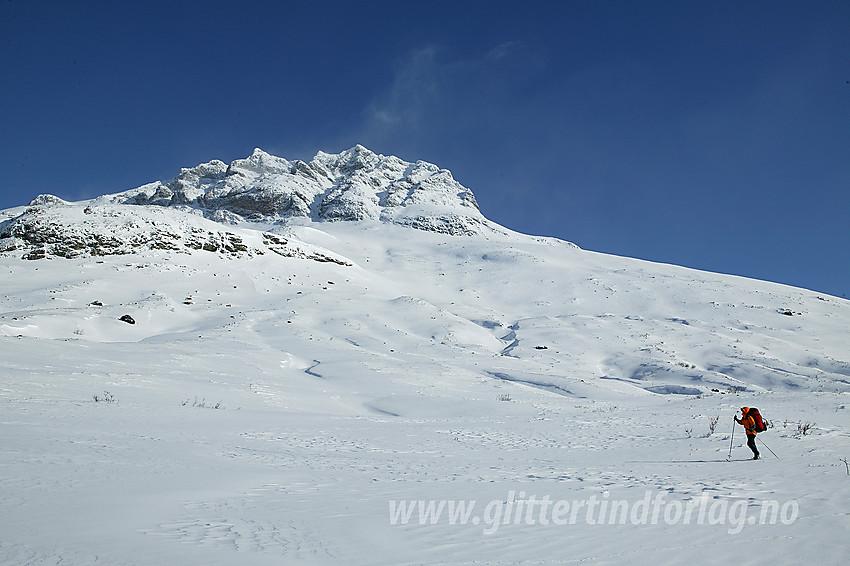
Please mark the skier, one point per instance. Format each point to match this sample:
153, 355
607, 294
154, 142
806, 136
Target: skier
749, 424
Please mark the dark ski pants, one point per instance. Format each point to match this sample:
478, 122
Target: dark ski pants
751, 442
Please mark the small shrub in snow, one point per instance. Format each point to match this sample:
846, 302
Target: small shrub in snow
803, 429
202, 404
712, 424
107, 397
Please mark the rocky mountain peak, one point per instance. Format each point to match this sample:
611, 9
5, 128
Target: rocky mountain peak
259, 162
356, 184
262, 189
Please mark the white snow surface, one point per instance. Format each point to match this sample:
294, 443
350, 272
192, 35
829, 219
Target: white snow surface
291, 381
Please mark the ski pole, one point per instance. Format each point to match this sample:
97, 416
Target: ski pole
732, 439
768, 447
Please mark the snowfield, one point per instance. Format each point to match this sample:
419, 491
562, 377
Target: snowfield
380, 392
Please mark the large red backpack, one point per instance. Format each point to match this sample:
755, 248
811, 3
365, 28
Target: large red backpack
753, 412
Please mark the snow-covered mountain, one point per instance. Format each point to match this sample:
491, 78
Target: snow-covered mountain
367, 335
513, 292
353, 185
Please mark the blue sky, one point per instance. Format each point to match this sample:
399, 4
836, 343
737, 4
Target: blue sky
714, 135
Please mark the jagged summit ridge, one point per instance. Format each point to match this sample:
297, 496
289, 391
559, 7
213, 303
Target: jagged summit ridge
356, 184
261, 192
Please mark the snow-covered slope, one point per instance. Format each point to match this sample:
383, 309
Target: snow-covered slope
289, 378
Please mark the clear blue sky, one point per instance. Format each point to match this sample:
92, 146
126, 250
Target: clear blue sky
713, 134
